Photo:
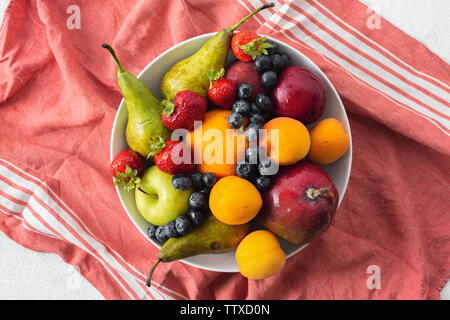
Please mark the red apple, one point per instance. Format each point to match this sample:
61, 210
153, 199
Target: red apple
240, 72
299, 94
300, 204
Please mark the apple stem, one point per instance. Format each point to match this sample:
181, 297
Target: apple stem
267, 5
139, 188
314, 194
149, 278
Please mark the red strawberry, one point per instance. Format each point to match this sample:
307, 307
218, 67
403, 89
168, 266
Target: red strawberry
222, 91
247, 45
186, 108
170, 159
126, 168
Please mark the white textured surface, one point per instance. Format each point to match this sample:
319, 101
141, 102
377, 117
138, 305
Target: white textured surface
3, 5
427, 21
25, 274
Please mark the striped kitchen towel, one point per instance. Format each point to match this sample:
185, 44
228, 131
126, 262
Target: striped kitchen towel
59, 96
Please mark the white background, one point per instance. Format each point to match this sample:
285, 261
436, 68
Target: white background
25, 274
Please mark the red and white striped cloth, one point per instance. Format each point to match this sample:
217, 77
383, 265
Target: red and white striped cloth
58, 98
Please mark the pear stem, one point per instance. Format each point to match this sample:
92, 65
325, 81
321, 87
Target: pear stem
113, 53
149, 278
267, 5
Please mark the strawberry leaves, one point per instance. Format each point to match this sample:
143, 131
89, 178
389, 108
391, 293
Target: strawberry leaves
214, 75
169, 107
156, 146
129, 179
256, 47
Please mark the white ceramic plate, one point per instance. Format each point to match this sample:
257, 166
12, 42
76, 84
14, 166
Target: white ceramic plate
152, 75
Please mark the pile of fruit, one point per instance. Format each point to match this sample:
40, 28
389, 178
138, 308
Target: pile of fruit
242, 153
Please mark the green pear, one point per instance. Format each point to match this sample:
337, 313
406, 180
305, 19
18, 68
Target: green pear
144, 126
157, 200
212, 236
191, 73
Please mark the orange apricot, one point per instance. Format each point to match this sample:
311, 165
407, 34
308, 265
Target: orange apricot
293, 140
329, 141
211, 141
259, 255
234, 200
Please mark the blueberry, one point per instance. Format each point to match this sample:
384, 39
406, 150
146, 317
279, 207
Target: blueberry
244, 170
265, 167
161, 234
197, 200
262, 182
242, 107
183, 225
269, 79
171, 230
286, 59
205, 191
255, 109
251, 154
257, 119
235, 120
244, 91
252, 131
209, 179
277, 63
151, 231
197, 180
273, 49
181, 182
196, 216
263, 63
263, 102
